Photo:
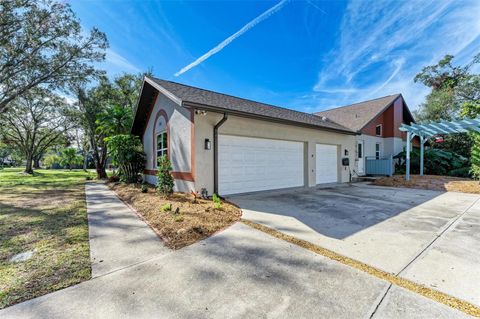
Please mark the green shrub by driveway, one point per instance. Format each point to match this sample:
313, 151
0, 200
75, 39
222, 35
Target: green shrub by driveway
42, 217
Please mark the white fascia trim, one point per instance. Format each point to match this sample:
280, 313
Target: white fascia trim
164, 91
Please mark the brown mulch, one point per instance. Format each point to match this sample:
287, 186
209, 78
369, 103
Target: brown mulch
196, 220
432, 182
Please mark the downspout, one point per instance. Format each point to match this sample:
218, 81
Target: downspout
215, 152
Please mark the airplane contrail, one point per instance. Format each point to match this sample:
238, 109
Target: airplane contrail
228, 40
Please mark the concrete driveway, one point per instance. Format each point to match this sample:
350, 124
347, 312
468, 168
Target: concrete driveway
238, 273
427, 236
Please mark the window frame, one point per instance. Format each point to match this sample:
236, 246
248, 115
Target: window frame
359, 150
164, 148
381, 130
377, 150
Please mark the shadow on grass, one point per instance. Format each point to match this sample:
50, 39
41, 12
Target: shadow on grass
53, 224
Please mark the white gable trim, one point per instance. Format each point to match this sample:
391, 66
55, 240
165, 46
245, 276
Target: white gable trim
164, 91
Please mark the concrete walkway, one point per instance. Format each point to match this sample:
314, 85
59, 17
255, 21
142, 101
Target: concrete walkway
118, 238
238, 273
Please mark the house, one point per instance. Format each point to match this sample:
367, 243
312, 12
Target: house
377, 123
228, 145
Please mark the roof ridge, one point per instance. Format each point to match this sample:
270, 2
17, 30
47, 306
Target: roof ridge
240, 98
353, 104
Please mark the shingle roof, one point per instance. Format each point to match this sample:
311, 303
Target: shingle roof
356, 116
231, 103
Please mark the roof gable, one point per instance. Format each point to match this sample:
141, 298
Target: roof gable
357, 116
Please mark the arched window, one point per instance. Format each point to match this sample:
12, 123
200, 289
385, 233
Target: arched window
160, 135
162, 145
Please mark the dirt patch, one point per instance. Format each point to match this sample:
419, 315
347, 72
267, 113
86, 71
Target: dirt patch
195, 220
432, 182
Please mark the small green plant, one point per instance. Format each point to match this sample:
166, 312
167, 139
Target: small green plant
166, 207
178, 218
144, 188
88, 178
217, 202
164, 178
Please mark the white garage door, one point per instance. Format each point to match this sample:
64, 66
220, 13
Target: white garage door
248, 164
327, 163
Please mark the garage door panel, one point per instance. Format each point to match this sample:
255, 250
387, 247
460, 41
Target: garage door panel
326, 163
254, 164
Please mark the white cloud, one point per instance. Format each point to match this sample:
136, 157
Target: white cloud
228, 40
118, 63
383, 44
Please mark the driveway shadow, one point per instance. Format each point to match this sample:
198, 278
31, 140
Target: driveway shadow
336, 212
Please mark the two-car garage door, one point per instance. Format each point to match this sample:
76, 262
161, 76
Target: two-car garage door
248, 164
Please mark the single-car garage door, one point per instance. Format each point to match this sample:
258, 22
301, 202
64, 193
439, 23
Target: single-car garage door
327, 163
248, 164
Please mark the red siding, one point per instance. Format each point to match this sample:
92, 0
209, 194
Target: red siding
390, 119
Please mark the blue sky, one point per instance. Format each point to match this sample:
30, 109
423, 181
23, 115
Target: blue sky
306, 55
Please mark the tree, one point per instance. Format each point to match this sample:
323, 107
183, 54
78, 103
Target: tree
36, 121
107, 110
123, 94
451, 87
469, 94
42, 44
69, 158
127, 153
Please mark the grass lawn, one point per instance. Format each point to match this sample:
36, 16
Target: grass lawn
195, 220
432, 182
44, 214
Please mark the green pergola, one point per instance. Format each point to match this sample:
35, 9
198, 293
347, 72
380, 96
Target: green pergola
427, 130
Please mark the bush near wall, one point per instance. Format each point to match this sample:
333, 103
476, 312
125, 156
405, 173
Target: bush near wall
436, 162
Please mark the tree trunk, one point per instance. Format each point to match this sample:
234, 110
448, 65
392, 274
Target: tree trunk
36, 162
28, 167
101, 172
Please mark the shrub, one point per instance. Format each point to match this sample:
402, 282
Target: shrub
52, 160
88, 178
126, 152
166, 207
164, 178
144, 188
475, 170
69, 158
217, 202
113, 179
436, 162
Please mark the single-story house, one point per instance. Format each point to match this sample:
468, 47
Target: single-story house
377, 124
228, 145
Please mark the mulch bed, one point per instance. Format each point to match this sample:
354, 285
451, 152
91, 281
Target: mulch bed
432, 182
196, 219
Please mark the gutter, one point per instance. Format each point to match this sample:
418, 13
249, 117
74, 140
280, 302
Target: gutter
215, 152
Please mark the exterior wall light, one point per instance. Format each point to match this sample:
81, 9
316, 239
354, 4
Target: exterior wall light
208, 144
346, 152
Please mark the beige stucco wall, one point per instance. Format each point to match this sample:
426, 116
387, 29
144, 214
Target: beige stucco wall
257, 128
180, 128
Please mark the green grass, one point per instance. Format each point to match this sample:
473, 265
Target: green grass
45, 213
